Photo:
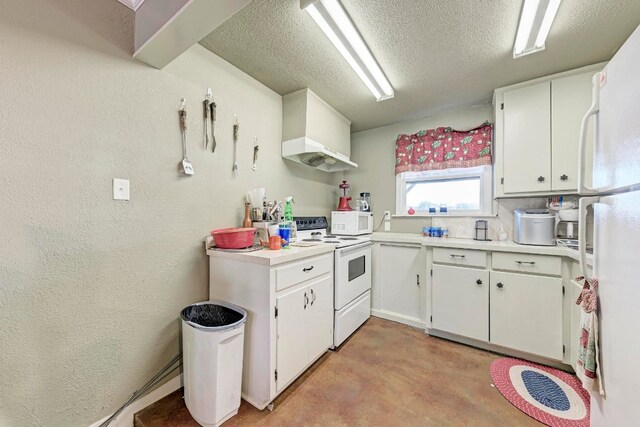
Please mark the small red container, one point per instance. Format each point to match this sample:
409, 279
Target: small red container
234, 238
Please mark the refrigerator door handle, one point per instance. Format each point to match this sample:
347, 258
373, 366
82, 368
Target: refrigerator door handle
583, 188
583, 204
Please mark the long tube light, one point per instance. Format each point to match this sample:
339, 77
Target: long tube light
536, 19
336, 24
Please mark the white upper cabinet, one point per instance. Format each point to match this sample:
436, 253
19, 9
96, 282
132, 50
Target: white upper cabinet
537, 127
570, 100
527, 139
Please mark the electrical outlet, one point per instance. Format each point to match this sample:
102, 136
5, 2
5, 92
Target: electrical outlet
387, 226
387, 215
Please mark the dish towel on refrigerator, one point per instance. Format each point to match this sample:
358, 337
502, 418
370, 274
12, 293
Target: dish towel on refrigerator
588, 363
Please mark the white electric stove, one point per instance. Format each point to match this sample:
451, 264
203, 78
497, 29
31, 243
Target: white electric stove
352, 274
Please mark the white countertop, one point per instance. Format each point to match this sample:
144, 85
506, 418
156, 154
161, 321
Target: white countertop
269, 257
494, 246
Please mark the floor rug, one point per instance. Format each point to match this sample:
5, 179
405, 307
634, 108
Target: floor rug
549, 395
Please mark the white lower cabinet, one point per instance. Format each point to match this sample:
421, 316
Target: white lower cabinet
304, 325
526, 313
574, 322
398, 283
292, 325
289, 317
320, 312
517, 304
460, 301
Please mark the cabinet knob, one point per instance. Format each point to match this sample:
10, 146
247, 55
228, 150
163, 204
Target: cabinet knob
541, 179
564, 177
478, 282
499, 285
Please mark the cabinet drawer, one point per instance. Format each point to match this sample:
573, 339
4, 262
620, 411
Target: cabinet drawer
462, 257
299, 271
527, 263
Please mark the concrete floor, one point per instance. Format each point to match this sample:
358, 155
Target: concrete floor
386, 374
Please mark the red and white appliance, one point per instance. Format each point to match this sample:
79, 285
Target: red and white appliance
352, 275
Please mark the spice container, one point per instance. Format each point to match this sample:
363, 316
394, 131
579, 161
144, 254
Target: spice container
481, 231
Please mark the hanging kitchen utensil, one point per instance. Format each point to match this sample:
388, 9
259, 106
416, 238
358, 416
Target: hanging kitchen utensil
256, 147
236, 135
187, 167
212, 107
207, 115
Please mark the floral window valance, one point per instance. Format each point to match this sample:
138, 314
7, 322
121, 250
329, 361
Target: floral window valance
444, 148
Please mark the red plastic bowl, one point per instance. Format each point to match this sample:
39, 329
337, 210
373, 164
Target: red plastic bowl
233, 238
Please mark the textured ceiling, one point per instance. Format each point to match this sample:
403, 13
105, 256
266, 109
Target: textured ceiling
437, 54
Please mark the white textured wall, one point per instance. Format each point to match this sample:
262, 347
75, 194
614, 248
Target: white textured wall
91, 288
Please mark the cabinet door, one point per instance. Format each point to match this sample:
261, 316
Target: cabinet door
570, 100
526, 313
292, 325
320, 312
460, 301
574, 322
527, 139
400, 282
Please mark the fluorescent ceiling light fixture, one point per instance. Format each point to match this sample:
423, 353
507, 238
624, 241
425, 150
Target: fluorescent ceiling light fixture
336, 24
536, 19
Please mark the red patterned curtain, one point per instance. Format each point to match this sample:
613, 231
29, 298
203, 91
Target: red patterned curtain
444, 148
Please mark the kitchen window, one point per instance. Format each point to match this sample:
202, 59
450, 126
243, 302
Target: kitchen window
463, 192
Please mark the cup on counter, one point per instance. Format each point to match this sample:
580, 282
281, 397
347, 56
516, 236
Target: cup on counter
275, 243
285, 233
274, 230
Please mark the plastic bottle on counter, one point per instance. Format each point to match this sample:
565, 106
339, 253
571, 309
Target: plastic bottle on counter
502, 234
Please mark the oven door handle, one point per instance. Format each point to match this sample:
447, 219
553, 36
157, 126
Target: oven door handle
350, 249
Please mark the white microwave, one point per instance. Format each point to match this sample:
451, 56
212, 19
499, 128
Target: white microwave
351, 223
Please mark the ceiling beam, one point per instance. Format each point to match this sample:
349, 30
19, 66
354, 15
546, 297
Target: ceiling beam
166, 28
132, 4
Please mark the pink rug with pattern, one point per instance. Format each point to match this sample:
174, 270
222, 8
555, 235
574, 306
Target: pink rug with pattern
549, 395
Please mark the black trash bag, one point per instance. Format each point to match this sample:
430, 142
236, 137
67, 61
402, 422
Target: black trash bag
211, 315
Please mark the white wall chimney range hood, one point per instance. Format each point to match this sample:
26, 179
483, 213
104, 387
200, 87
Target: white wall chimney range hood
314, 133
311, 153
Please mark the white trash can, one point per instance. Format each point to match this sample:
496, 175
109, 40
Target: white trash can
212, 350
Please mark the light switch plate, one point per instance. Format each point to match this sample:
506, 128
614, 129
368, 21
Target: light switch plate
120, 189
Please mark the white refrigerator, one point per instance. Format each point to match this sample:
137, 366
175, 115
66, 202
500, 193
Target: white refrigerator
614, 194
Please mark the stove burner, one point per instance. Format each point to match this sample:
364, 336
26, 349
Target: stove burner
311, 240
348, 238
331, 241
330, 236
